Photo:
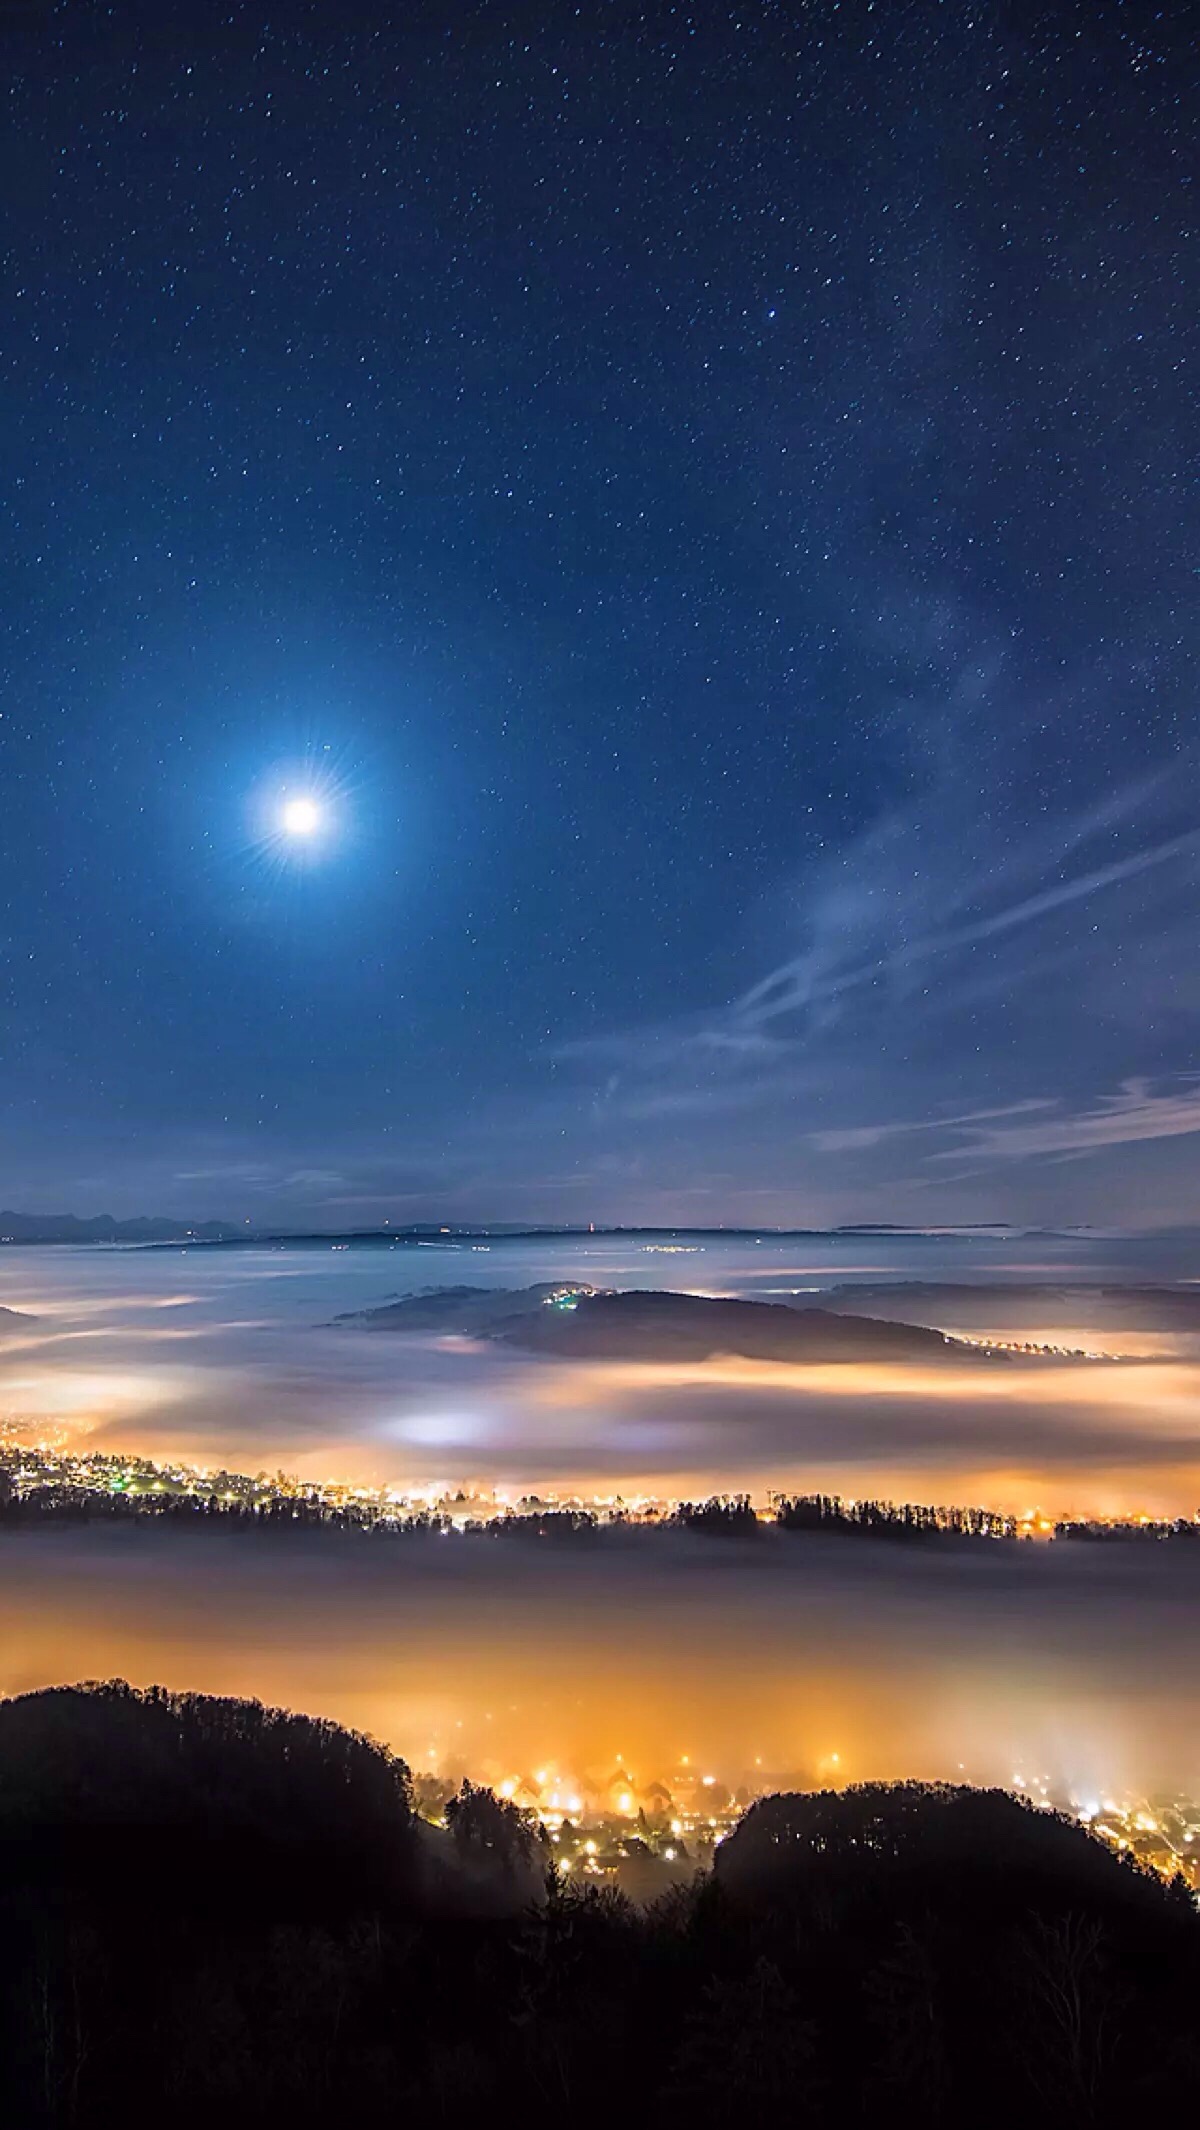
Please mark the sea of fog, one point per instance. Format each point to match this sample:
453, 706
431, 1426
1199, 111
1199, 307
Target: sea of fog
804, 1656
229, 1356
1068, 1660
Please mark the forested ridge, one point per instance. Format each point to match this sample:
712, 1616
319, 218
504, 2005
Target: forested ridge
211, 1908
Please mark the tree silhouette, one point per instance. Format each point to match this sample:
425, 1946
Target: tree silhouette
484, 1825
208, 1908
746, 2053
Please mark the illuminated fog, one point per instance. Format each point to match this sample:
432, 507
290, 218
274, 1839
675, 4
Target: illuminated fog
469, 1653
229, 1356
496, 1656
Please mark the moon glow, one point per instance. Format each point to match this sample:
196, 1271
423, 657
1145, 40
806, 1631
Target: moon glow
300, 817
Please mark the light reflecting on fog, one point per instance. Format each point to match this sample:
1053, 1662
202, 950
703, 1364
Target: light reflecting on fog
483, 1653
229, 1356
912, 1662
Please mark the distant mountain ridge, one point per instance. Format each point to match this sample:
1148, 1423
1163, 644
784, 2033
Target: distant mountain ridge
102, 1227
166, 1231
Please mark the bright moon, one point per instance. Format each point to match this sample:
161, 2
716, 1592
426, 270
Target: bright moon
301, 817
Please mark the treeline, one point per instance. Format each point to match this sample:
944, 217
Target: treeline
886, 1519
720, 1516
67, 1504
211, 1911
283, 1516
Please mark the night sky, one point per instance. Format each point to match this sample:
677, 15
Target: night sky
699, 499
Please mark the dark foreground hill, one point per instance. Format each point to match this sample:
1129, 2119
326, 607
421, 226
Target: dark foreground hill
585, 1324
210, 1911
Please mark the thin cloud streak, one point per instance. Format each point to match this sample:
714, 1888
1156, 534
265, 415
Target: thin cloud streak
788, 988
869, 1135
958, 984
1132, 1115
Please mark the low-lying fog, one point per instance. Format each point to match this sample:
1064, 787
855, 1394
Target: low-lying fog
228, 1356
482, 1653
1068, 1661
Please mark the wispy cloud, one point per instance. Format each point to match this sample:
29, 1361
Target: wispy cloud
909, 930
1132, 1114
226, 1172
1040, 1126
964, 981
797, 985
857, 1137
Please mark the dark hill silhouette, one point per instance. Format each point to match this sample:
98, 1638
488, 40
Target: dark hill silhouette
877, 1841
994, 1949
208, 1913
584, 1324
83, 1770
471, 1310
682, 1327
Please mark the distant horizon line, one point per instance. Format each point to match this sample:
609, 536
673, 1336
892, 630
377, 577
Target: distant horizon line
17, 1228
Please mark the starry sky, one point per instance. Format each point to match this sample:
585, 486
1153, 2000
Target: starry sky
700, 495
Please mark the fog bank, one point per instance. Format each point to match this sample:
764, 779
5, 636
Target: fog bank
229, 1357
498, 1656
